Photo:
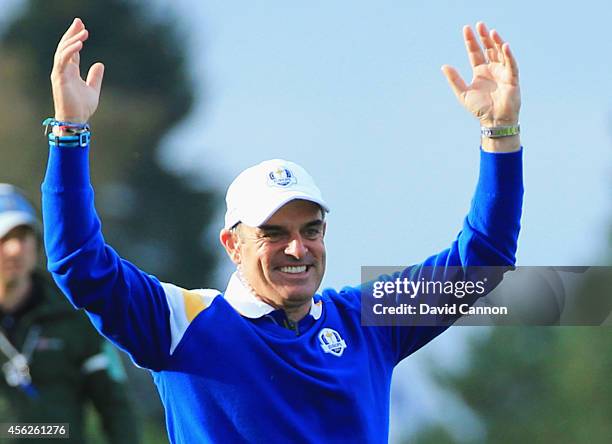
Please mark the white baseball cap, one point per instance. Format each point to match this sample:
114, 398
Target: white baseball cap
15, 210
261, 190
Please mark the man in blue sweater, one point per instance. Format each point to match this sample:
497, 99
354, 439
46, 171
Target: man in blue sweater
269, 359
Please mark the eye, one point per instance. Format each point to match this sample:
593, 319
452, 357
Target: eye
313, 233
273, 235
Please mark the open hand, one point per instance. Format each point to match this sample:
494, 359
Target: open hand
494, 94
75, 99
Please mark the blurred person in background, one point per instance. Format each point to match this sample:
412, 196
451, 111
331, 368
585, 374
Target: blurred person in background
53, 361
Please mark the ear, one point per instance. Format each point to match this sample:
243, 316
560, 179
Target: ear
231, 243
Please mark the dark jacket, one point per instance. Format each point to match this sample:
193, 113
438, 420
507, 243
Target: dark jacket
70, 364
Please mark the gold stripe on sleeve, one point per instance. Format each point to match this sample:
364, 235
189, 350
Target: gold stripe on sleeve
194, 304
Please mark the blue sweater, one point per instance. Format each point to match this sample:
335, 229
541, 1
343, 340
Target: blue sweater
226, 369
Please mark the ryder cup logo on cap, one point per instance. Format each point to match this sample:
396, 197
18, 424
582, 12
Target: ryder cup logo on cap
261, 190
15, 210
281, 177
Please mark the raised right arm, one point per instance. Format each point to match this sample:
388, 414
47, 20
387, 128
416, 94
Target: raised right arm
125, 304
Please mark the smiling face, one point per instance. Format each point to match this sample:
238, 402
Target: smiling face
18, 255
282, 260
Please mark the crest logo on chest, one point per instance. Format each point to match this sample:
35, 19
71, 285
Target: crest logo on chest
331, 342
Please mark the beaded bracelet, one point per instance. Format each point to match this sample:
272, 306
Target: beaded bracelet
68, 127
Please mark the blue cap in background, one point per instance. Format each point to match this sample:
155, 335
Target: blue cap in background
15, 210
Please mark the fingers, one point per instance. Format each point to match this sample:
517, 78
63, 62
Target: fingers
75, 27
497, 51
82, 35
506, 56
455, 81
498, 45
70, 45
511, 63
472, 47
95, 76
488, 43
68, 54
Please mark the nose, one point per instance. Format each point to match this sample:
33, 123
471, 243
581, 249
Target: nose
296, 248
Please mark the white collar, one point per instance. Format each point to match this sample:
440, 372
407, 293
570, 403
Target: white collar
242, 299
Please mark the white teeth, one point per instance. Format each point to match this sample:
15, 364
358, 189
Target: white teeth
300, 269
